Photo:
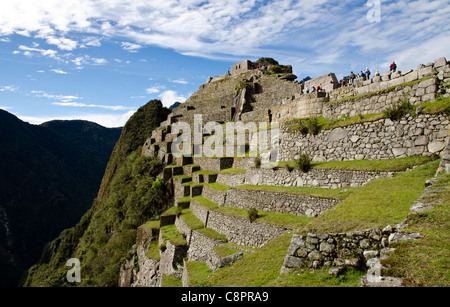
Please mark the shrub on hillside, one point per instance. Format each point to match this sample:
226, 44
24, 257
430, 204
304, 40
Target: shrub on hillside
252, 214
303, 163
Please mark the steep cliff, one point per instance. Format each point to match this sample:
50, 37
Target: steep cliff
128, 195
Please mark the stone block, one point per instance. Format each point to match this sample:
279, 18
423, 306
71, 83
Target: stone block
440, 62
412, 76
436, 146
376, 79
426, 72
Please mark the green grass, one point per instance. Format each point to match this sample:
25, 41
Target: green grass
379, 203
151, 224
426, 262
205, 172
173, 166
197, 273
171, 234
192, 183
171, 282
153, 251
205, 202
318, 278
212, 234
234, 171
218, 186
226, 249
191, 220
390, 165
184, 199
439, 106
172, 211
338, 194
289, 221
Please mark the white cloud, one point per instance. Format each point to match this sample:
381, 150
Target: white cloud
30, 51
179, 81
59, 71
169, 97
84, 105
8, 88
324, 32
61, 98
99, 61
106, 120
154, 89
130, 46
62, 43
5, 108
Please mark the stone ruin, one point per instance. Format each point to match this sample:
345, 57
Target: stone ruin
247, 95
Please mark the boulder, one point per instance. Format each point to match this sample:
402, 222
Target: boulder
289, 77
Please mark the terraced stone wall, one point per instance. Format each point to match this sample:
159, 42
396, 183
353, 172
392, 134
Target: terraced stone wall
377, 140
237, 230
333, 179
278, 202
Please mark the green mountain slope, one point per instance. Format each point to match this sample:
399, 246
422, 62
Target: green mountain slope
47, 182
128, 196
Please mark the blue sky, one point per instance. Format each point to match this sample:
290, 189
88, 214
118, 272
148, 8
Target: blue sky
102, 60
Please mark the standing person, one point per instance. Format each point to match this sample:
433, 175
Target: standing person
367, 73
393, 67
352, 77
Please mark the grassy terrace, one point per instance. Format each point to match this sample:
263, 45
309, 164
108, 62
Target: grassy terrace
277, 219
390, 165
151, 224
153, 251
234, 171
218, 186
191, 220
171, 282
426, 262
439, 106
171, 234
302, 191
379, 203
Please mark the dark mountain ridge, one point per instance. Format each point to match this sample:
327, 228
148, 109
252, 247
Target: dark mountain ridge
49, 175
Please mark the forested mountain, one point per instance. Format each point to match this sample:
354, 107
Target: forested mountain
49, 175
129, 195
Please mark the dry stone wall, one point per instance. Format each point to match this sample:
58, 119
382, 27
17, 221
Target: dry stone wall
334, 249
377, 140
333, 179
237, 230
278, 202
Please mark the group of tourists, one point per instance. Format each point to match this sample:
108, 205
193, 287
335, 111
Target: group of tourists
314, 89
364, 75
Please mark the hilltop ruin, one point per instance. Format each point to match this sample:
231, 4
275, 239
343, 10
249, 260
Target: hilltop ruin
204, 185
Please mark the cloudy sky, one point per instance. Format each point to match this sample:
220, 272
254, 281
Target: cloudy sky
100, 60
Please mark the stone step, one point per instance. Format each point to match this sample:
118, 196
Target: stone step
190, 169
204, 176
183, 202
171, 171
213, 164
231, 177
215, 193
182, 160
